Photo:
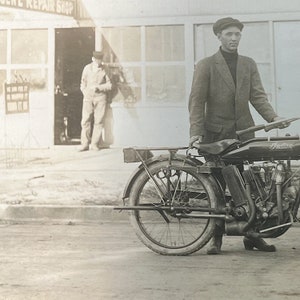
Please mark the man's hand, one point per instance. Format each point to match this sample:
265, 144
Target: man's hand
195, 140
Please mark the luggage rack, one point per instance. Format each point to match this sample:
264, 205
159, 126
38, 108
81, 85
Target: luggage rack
141, 154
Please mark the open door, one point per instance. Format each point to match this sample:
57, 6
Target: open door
73, 50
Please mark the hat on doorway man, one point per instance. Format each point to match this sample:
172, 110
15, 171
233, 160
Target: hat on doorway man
98, 54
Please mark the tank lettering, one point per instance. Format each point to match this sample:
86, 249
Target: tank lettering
280, 146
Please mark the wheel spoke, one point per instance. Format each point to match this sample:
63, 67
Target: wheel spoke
162, 213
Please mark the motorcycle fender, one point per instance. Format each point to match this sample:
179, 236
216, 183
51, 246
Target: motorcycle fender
149, 162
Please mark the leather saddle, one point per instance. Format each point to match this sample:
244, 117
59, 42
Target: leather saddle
217, 147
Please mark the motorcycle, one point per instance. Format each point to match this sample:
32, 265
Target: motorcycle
176, 199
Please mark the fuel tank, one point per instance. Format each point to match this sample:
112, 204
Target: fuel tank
258, 149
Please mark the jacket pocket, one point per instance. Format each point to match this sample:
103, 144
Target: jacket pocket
217, 128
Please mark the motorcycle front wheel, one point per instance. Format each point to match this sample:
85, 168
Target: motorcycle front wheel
171, 231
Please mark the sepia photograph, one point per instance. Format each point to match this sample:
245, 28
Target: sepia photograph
149, 149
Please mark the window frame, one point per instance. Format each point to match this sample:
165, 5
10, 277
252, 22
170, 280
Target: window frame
9, 67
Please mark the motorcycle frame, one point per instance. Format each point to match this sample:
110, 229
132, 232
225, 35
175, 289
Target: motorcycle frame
193, 164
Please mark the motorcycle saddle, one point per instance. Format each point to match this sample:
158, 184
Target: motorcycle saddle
217, 147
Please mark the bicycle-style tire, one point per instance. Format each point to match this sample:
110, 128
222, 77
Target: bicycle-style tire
163, 232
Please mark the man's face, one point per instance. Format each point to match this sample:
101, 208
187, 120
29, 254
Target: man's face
97, 61
230, 38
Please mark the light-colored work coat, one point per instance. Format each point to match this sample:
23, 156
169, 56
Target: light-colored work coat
94, 83
217, 107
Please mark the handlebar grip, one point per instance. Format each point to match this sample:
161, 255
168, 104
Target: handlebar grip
277, 124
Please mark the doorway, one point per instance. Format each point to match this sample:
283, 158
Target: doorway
73, 50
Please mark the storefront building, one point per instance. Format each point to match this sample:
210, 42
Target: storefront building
151, 46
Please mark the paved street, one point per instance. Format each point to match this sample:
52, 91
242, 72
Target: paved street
106, 261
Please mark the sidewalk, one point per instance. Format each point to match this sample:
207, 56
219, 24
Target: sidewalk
62, 185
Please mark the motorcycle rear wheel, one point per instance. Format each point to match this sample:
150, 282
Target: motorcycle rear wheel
167, 232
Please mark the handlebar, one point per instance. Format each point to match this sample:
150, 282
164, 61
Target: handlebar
267, 127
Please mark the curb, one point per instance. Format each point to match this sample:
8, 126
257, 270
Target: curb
60, 214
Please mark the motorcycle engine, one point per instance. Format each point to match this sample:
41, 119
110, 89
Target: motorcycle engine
264, 180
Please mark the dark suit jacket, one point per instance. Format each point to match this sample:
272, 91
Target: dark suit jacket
217, 107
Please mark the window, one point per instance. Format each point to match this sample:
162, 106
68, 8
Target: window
123, 43
152, 60
165, 70
36, 77
260, 51
129, 85
165, 43
3, 54
2, 80
29, 46
29, 57
3, 46
255, 42
165, 84
122, 48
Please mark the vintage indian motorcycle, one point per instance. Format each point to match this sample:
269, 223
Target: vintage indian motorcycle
175, 199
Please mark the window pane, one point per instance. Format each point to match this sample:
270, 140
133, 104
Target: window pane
255, 42
165, 43
37, 78
165, 84
123, 44
266, 78
206, 43
3, 46
2, 80
129, 84
29, 46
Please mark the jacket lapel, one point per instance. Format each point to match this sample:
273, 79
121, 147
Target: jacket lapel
223, 69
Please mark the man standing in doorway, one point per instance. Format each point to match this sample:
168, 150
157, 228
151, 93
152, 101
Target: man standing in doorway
95, 84
223, 85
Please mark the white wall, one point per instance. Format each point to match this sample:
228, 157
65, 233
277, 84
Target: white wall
28, 130
105, 10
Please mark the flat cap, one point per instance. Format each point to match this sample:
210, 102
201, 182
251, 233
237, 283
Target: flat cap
226, 22
98, 54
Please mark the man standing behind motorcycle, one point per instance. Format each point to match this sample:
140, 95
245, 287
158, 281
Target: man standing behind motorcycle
223, 85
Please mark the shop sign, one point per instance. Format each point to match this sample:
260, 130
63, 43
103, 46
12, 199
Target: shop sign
16, 97
61, 7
